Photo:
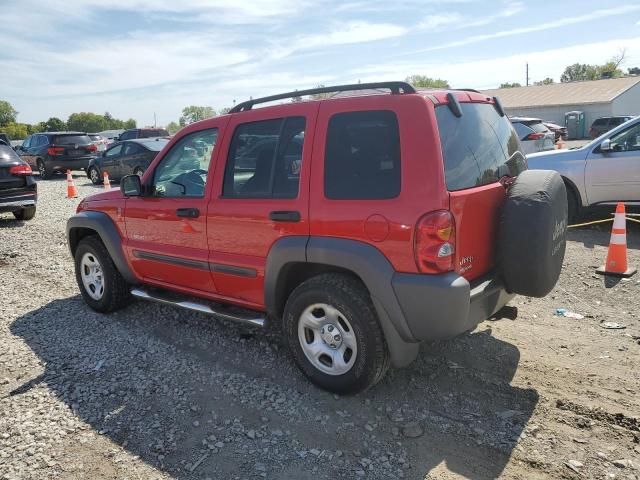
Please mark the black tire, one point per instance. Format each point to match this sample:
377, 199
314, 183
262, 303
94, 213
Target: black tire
97, 179
116, 290
25, 213
351, 298
533, 233
45, 171
573, 206
138, 171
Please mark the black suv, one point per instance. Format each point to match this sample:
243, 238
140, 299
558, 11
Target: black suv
604, 124
52, 152
142, 133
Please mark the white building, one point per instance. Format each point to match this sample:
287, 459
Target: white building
596, 98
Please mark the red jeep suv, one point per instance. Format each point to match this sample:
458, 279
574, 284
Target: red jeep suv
360, 225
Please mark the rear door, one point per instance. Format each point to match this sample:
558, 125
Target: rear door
132, 155
261, 194
615, 175
479, 148
167, 227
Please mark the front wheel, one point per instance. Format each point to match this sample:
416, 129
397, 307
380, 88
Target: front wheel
100, 282
94, 176
334, 334
25, 213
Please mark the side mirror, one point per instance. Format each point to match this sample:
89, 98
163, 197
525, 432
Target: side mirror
605, 146
130, 186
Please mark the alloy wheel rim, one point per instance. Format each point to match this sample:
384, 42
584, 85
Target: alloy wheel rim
94, 175
92, 276
327, 339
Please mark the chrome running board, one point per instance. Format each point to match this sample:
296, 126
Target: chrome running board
248, 317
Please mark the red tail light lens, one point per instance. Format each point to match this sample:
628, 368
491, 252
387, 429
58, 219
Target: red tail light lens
435, 242
55, 150
92, 148
534, 136
21, 170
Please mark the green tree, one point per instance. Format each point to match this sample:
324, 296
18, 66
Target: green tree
634, 71
509, 85
320, 96
54, 124
8, 114
173, 127
86, 122
16, 131
131, 123
422, 81
194, 113
224, 110
546, 81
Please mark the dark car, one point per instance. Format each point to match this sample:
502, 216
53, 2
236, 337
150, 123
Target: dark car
18, 189
5, 138
52, 152
604, 124
142, 133
125, 158
559, 131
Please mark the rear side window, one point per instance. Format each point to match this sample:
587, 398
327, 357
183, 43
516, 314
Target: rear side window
538, 127
265, 159
362, 157
479, 147
71, 140
600, 122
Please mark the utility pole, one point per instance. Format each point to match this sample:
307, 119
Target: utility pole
155, 123
527, 82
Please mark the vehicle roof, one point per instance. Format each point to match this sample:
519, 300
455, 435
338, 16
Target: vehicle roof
61, 133
148, 140
526, 119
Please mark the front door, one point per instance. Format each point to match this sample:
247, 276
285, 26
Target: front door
110, 160
260, 195
615, 175
166, 228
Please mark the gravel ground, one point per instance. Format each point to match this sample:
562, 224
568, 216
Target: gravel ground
156, 392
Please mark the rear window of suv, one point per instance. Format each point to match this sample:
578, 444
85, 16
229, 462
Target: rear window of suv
479, 147
153, 133
71, 139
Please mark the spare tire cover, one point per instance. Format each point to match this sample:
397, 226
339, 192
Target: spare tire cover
532, 233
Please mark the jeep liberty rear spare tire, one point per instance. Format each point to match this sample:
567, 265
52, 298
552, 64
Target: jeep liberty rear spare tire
532, 233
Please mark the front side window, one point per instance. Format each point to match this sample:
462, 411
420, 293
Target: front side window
113, 151
362, 157
27, 142
131, 148
627, 140
183, 170
265, 159
478, 148
128, 135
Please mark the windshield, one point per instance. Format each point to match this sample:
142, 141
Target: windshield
479, 147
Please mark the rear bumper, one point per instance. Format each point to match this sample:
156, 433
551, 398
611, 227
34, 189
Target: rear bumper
68, 164
15, 199
443, 306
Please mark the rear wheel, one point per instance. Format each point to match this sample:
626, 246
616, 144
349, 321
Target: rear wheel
100, 282
94, 176
334, 334
45, 172
25, 213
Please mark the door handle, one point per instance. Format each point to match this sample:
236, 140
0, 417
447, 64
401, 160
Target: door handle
285, 216
188, 212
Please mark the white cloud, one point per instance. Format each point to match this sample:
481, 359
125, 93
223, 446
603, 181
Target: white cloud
439, 21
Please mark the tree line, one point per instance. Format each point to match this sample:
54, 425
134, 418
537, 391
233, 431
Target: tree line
81, 122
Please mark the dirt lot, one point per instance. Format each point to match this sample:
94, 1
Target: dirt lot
155, 392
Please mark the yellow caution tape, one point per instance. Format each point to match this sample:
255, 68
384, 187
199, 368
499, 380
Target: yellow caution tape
633, 220
601, 221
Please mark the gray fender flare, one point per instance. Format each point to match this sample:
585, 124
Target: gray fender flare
366, 262
102, 224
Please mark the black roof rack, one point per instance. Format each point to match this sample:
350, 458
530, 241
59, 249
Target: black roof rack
395, 88
468, 90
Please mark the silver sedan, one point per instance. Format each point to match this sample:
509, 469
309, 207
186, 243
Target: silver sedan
604, 171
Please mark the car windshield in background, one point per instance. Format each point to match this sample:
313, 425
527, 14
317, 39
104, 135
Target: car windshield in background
155, 145
153, 133
537, 127
480, 147
95, 137
71, 139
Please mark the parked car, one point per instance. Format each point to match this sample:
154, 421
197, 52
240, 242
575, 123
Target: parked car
52, 152
5, 138
111, 135
363, 225
559, 131
142, 133
99, 141
604, 124
18, 189
125, 158
604, 171
533, 134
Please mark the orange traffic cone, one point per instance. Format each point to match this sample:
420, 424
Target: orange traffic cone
72, 191
105, 181
616, 263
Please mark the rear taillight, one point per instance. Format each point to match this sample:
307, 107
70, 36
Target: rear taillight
435, 242
92, 147
534, 136
21, 170
55, 150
